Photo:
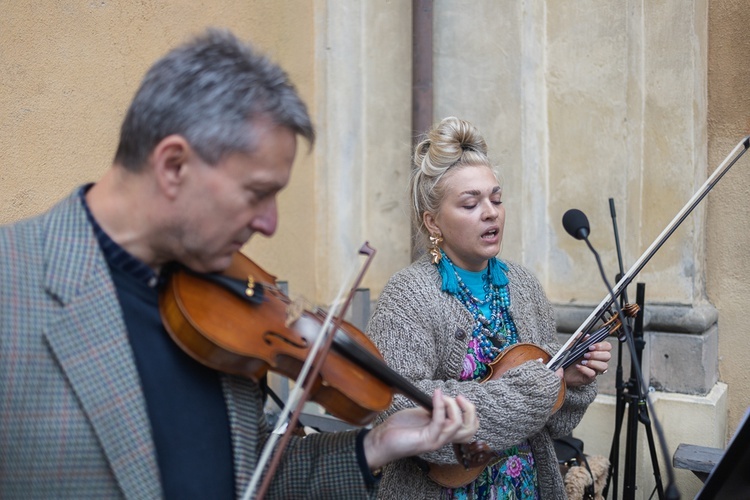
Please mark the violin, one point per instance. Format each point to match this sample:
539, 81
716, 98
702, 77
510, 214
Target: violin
454, 475
239, 322
518, 354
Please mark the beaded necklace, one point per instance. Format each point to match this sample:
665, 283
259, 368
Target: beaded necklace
498, 331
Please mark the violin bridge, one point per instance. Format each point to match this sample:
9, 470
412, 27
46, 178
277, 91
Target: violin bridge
294, 312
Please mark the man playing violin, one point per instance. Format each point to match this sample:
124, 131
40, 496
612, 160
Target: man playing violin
95, 399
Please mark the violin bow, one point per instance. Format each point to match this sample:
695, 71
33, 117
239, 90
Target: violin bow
301, 391
564, 352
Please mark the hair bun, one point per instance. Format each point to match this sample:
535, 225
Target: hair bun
450, 142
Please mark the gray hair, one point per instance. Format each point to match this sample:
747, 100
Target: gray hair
448, 146
210, 90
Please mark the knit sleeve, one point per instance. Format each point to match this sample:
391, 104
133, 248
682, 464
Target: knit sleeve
534, 316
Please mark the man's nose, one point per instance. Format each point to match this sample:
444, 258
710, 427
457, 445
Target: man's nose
266, 221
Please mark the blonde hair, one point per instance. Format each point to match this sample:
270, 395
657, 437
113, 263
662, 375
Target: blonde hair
451, 144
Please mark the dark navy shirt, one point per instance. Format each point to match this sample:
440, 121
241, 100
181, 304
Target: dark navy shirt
184, 399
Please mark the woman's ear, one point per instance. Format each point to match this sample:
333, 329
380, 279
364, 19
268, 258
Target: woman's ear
428, 219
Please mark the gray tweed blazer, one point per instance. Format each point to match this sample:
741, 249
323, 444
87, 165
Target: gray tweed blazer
73, 421
423, 334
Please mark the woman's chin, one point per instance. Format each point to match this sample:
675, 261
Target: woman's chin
492, 251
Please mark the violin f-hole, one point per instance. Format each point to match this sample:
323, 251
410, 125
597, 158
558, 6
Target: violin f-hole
269, 337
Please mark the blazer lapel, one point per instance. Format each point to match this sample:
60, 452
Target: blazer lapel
90, 342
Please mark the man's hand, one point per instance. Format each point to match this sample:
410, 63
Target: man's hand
414, 431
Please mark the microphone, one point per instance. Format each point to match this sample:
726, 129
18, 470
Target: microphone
576, 224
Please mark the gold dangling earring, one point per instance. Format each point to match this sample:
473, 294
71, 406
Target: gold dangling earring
435, 241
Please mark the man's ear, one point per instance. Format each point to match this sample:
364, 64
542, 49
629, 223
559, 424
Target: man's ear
428, 219
168, 159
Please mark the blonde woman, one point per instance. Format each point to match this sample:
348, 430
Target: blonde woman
443, 319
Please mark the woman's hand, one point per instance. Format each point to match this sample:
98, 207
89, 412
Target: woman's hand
593, 363
414, 430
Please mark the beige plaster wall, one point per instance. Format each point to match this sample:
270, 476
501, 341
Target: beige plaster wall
581, 102
627, 98
363, 96
69, 70
728, 215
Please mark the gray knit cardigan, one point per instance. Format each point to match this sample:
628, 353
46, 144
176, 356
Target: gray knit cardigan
424, 333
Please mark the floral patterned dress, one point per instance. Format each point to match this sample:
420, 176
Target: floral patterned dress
513, 474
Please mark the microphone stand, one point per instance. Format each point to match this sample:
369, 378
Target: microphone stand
630, 394
636, 369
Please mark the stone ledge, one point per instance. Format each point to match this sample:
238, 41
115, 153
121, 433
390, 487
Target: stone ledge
674, 318
684, 363
681, 351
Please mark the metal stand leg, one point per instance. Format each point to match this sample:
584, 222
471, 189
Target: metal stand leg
630, 394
